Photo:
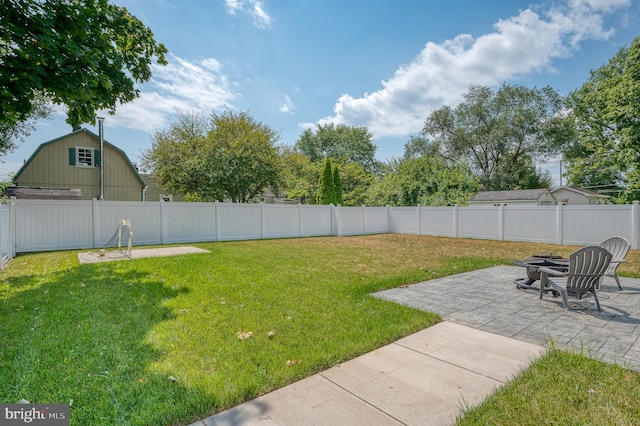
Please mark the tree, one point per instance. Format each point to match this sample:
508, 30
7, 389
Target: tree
606, 110
11, 133
299, 175
228, 156
337, 185
326, 187
492, 130
342, 143
521, 175
355, 183
85, 54
424, 180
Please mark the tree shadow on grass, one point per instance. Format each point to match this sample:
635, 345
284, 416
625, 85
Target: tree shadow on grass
80, 337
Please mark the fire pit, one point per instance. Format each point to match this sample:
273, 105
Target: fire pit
533, 265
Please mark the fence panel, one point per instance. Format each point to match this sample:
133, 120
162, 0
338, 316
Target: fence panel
280, 221
584, 225
145, 218
316, 220
188, 222
237, 221
350, 220
438, 221
403, 220
6, 233
531, 223
376, 220
479, 222
43, 225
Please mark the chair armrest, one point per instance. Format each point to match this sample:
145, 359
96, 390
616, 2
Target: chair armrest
618, 261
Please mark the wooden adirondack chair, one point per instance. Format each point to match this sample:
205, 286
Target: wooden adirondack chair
618, 247
586, 268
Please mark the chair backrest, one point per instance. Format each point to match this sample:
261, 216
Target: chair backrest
586, 267
617, 246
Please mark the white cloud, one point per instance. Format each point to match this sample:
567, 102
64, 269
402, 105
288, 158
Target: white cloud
441, 73
179, 86
254, 8
287, 106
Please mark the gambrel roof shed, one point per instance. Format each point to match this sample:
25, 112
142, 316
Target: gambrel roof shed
73, 161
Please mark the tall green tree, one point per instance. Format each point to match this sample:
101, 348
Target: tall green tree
337, 185
341, 143
326, 187
606, 110
84, 54
492, 130
228, 156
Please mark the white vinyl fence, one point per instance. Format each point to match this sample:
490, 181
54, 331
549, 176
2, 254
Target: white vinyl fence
7, 234
43, 225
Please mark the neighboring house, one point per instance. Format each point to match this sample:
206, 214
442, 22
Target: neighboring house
578, 196
73, 161
531, 197
155, 193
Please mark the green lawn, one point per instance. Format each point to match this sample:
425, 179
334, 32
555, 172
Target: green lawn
156, 341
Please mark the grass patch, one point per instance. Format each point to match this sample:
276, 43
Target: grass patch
155, 341
563, 388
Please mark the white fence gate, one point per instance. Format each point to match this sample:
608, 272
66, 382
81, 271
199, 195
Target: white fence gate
42, 225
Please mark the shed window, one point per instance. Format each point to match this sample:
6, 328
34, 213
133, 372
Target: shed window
84, 157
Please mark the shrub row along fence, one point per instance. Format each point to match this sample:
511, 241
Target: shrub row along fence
44, 225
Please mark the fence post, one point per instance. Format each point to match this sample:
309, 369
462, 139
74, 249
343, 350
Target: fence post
163, 221
217, 219
336, 211
363, 213
419, 227
634, 225
262, 220
501, 222
13, 230
299, 219
560, 224
455, 221
96, 221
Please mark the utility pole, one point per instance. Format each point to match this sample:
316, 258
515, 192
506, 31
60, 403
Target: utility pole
561, 172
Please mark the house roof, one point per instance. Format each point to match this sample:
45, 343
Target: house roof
512, 195
587, 193
51, 142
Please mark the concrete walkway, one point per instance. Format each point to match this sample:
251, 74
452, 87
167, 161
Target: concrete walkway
423, 379
491, 331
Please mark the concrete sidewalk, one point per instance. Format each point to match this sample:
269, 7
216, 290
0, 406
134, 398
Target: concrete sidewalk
423, 379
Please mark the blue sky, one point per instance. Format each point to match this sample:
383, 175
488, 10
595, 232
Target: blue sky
383, 64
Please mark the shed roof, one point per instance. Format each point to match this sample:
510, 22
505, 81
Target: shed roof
586, 192
511, 195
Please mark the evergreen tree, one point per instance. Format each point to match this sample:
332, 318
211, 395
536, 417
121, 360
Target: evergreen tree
337, 184
326, 188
